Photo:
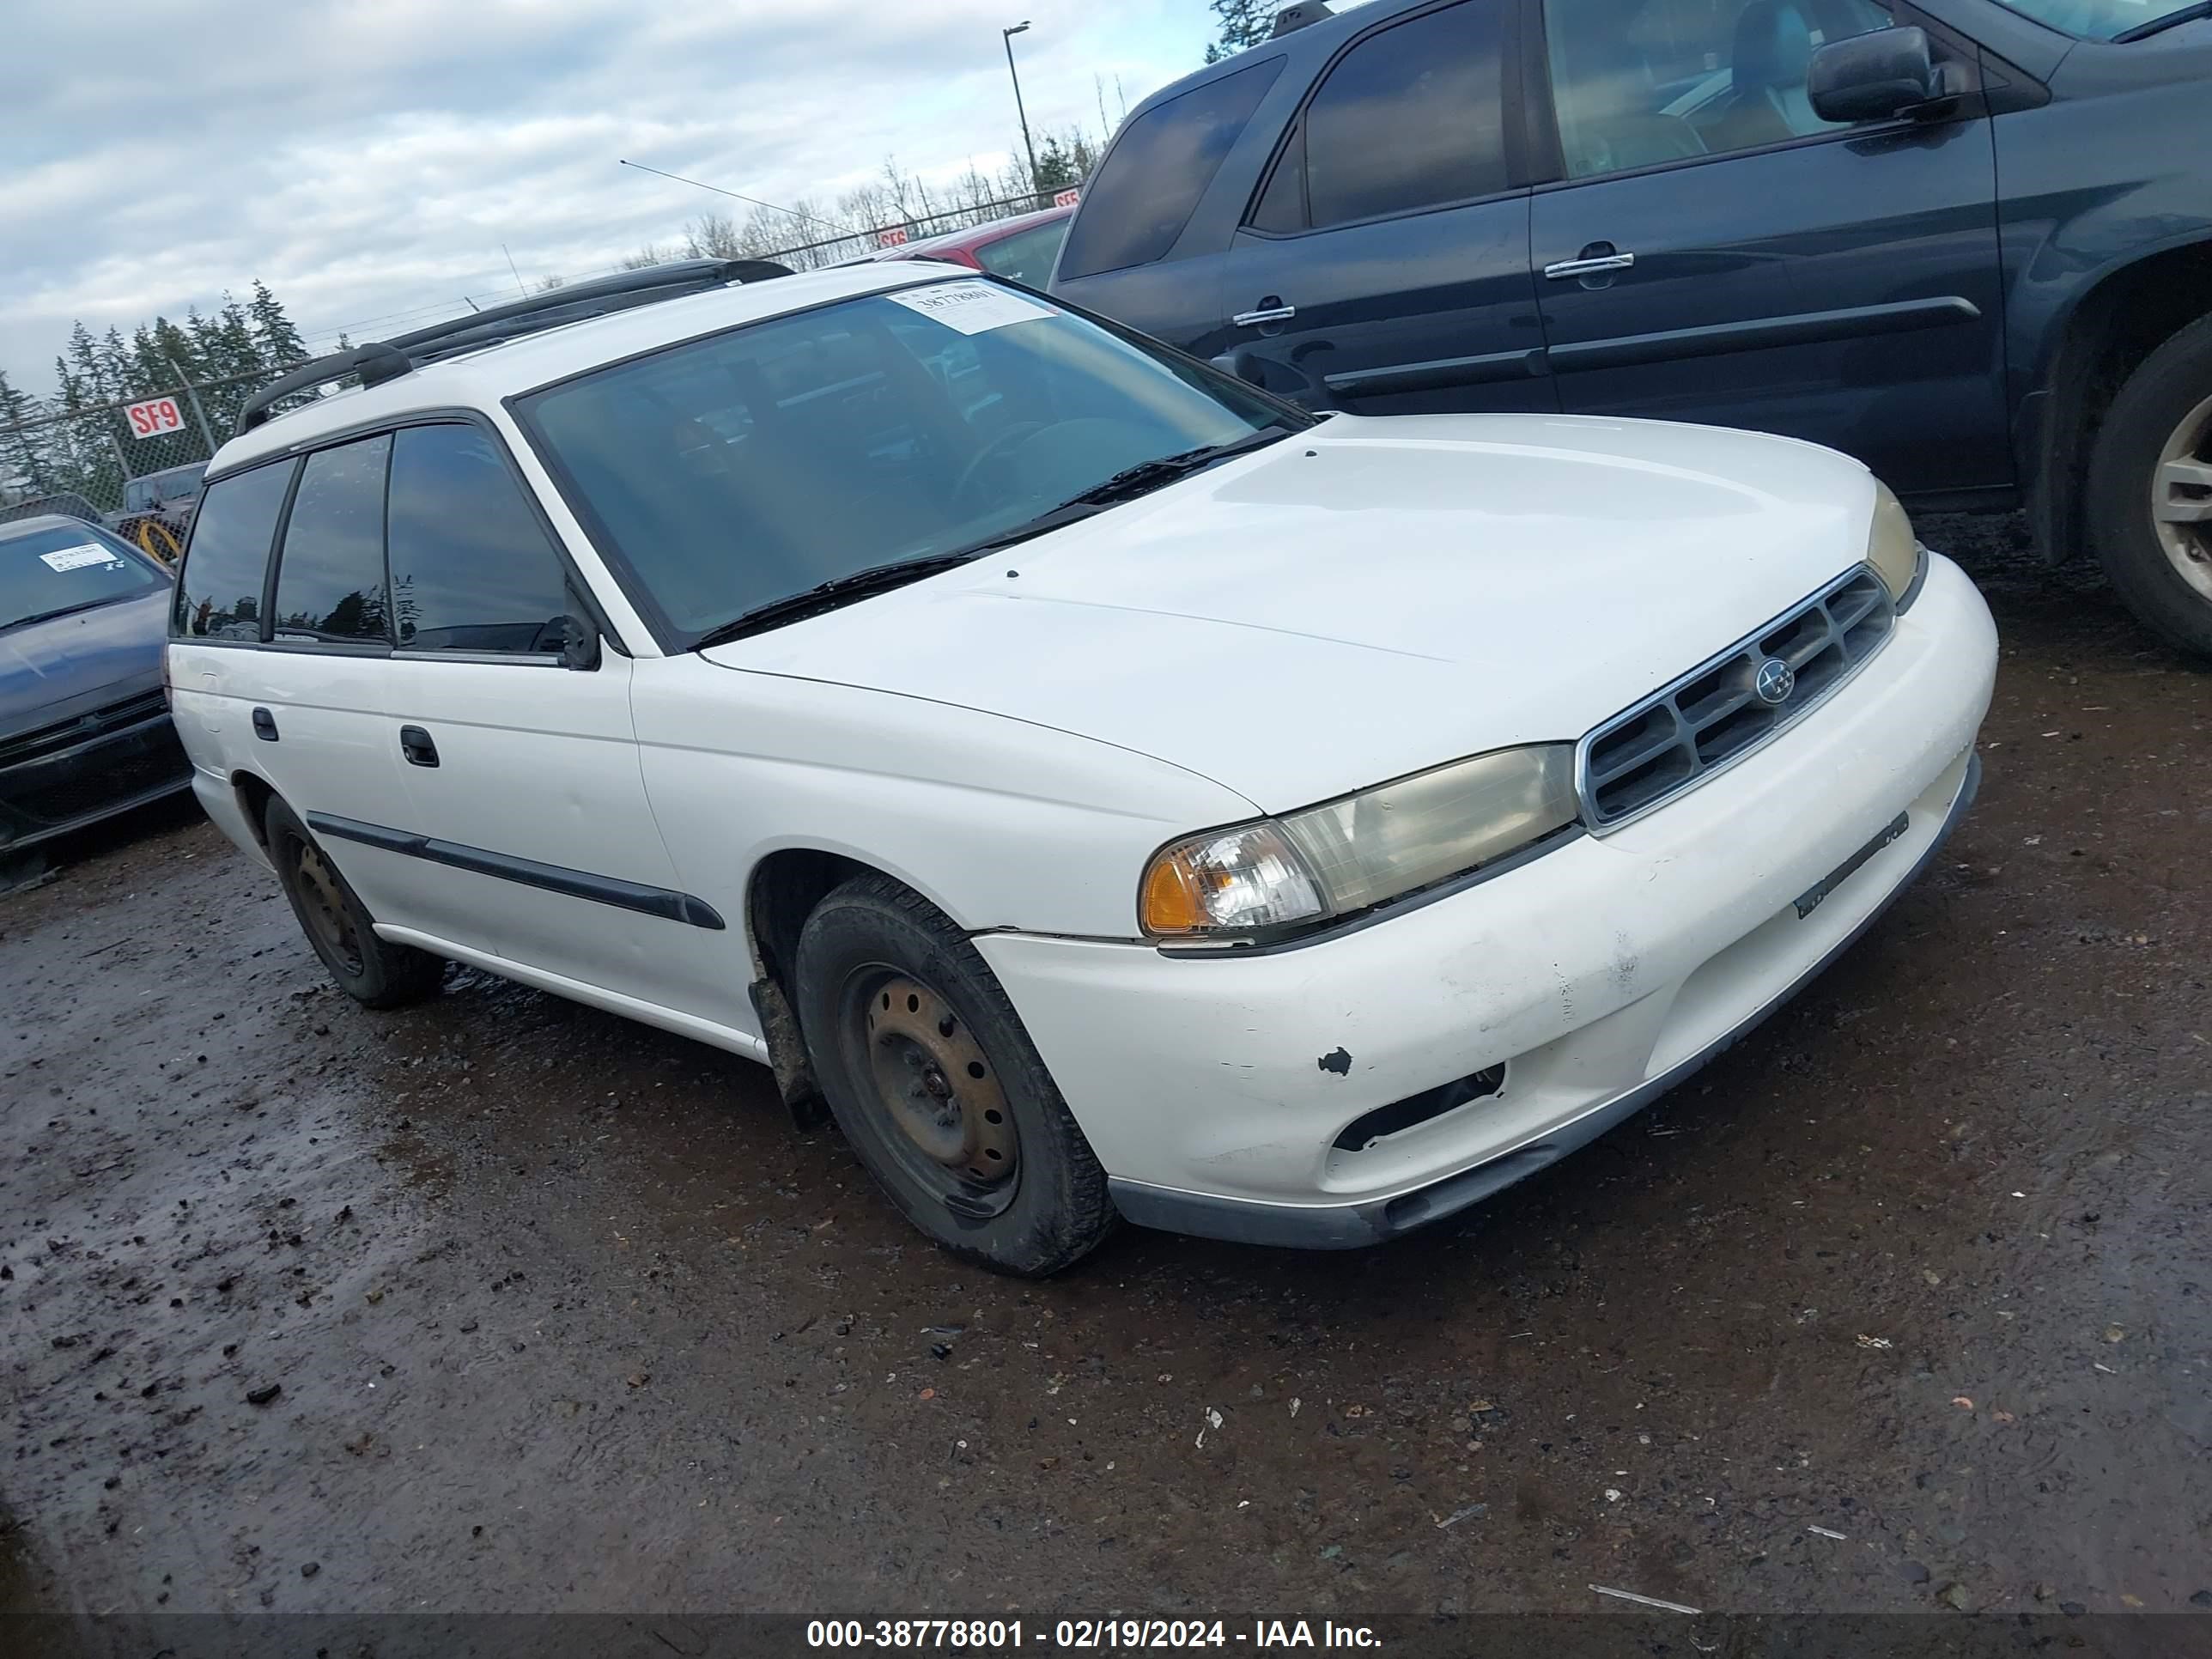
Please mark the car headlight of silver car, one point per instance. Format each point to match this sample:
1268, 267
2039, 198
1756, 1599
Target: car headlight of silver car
1355, 853
1892, 548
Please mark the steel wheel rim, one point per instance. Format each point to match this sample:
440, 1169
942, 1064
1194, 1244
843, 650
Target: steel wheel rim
935, 1092
2181, 499
324, 908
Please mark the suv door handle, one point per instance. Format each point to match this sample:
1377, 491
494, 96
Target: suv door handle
1274, 314
264, 726
1588, 267
415, 743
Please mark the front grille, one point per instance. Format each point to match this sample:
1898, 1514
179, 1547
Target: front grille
1714, 715
67, 734
129, 768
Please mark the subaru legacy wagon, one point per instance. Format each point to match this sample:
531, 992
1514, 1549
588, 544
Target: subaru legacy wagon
1113, 792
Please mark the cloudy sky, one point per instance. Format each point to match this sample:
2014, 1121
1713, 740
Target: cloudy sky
366, 158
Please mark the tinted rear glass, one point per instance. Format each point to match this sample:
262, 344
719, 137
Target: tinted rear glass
1159, 166
48, 573
329, 581
219, 589
471, 569
1410, 118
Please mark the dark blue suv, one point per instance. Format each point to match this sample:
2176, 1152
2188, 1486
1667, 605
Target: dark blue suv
1969, 243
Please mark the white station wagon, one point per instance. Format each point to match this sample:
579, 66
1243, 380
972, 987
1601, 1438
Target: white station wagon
1113, 792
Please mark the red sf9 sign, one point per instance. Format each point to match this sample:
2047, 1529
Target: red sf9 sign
153, 418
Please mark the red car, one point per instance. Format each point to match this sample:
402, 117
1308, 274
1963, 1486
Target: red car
1022, 247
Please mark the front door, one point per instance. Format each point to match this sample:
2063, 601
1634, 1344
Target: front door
1715, 252
1383, 268
521, 774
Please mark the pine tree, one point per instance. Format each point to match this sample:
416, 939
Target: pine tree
20, 452
1244, 23
279, 342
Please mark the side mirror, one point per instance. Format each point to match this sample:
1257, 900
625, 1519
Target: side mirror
1873, 77
580, 642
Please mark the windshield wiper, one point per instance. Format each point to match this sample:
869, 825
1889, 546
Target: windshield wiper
1147, 476
2159, 25
828, 596
48, 616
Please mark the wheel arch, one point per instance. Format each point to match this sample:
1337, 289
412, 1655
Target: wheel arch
780, 892
254, 793
2097, 342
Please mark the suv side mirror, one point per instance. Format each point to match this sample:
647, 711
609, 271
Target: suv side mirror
579, 641
1872, 77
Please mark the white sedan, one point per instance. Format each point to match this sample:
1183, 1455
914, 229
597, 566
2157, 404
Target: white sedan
1115, 792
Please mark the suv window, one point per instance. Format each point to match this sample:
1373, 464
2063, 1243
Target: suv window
1159, 166
471, 569
1409, 119
1636, 82
219, 588
329, 577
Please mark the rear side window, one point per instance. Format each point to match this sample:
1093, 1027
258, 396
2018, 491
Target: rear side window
471, 569
219, 588
330, 578
1027, 255
1411, 117
1159, 166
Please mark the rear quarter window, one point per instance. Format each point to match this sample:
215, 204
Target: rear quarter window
1159, 166
219, 585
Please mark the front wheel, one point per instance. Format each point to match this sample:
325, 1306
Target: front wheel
2150, 489
938, 1089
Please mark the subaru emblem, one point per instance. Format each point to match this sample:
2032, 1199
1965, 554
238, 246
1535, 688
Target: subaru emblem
1776, 681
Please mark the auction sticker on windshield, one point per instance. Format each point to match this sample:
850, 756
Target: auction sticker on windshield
971, 308
75, 558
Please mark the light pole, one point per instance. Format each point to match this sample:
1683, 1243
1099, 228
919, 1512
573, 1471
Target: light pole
1007, 37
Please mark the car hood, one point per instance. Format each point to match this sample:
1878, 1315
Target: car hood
55, 670
1368, 598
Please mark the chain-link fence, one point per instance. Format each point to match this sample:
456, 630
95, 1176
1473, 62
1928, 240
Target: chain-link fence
864, 244
133, 464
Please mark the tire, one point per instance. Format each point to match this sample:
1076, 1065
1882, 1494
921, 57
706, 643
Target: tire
373, 972
938, 1089
2158, 425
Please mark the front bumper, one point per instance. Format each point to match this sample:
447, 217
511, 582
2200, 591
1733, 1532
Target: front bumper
65, 789
1214, 1091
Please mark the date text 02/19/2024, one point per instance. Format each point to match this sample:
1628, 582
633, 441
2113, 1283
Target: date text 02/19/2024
1076, 1634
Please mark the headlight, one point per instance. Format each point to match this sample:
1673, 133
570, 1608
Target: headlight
1892, 548
1351, 854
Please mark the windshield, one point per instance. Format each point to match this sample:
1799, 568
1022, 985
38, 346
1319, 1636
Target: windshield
2095, 20
44, 572
727, 473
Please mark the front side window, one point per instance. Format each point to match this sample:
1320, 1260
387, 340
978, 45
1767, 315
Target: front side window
1151, 180
45, 573
1411, 117
330, 576
227, 561
1638, 83
727, 473
471, 569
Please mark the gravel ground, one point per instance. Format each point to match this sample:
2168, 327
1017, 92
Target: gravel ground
505, 1304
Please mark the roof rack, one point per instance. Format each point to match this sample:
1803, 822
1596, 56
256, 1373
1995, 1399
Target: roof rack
379, 361
1292, 18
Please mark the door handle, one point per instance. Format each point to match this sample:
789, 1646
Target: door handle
415, 743
1266, 314
1588, 267
264, 726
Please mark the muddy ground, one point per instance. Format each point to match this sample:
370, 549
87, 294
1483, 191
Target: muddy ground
560, 1315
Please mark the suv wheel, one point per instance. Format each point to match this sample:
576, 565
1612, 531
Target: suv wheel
2150, 489
937, 1088
373, 971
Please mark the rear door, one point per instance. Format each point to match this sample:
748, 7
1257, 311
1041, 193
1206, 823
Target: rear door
1383, 266
311, 698
1713, 251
